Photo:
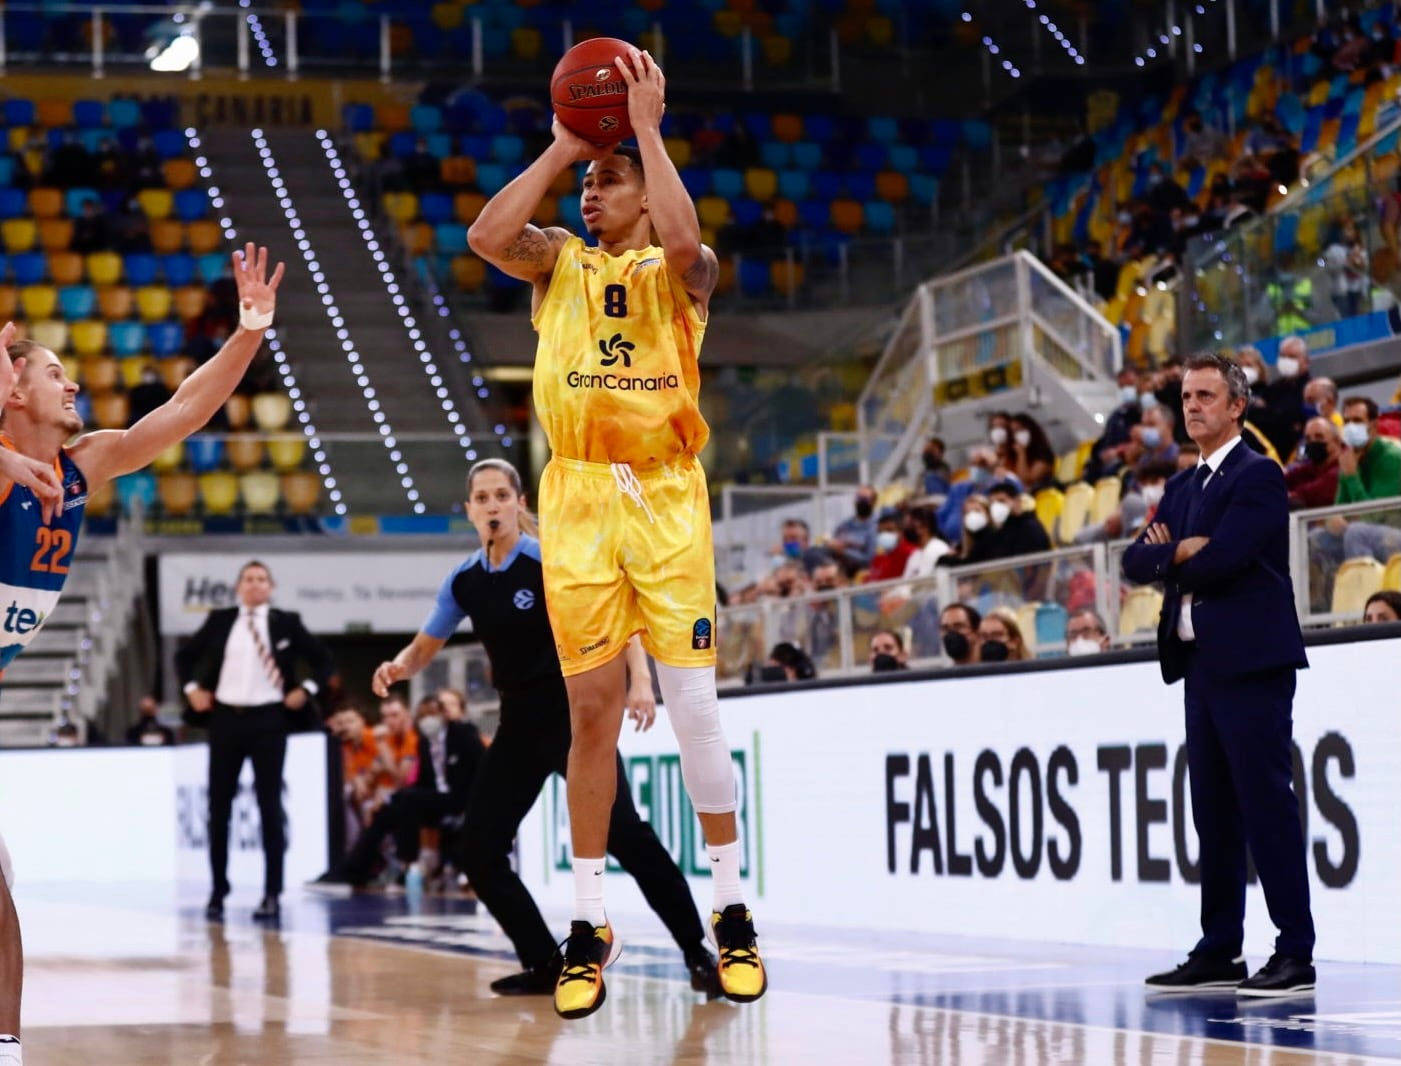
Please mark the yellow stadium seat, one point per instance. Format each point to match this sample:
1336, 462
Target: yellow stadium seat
1106, 498
56, 114
761, 183
104, 268
1355, 581
401, 206
262, 489
180, 174
46, 203
778, 51
1076, 505
713, 211
1391, 577
564, 183
101, 499
19, 234
190, 301
446, 16
218, 490
132, 367
204, 236
301, 491
178, 493
286, 453
55, 234
65, 268
156, 203
19, 140
167, 236
469, 272
153, 303
466, 206
114, 302
678, 150
787, 128
111, 410
9, 301
89, 336
786, 277
175, 370
271, 411
893, 186
846, 216
1049, 503
525, 42
369, 145
170, 459
245, 451
1140, 610
99, 374
71, 368
38, 301
238, 410
52, 333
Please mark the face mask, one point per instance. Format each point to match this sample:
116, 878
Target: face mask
1000, 511
931, 461
65, 742
981, 475
1128, 394
1152, 495
152, 740
1125, 218
864, 508
886, 540
1022, 437
1190, 221
1147, 401
1288, 366
792, 549
1355, 435
882, 663
1316, 451
1251, 375
1083, 646
994, 651
430, 725
998, 435
975, 521
1309, 411
957, 646
1154, 179
1150, 436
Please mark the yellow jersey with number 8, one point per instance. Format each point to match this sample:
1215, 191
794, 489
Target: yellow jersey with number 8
617, 371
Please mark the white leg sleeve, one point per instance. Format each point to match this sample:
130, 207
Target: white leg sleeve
689, 695
7, 869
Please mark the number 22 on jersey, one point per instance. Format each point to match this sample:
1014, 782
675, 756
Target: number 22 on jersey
52, 548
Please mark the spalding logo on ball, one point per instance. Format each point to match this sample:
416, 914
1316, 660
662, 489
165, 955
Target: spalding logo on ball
589, 95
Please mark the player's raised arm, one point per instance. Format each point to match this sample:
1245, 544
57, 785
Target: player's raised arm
503, 235
109, 453
672, 212
15, 468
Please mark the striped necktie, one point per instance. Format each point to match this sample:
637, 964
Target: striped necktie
269, 663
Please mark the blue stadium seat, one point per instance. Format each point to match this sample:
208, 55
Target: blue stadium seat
123, 114
7, 169
167, 338
138, 486
191, 205
870, 156
491, 177
74, 199
88, 113
507, 148
19, 112
935, 159
861, 185
819, 128
569, 214
141, 269
759, 124
794, 184
775, 154
475, 146
977, 134
746, 211
879, 216
904, 158
402, 143
212, 266
13, 202
160, 115
179, 269
826, 186
450, 238
168, 143
434, 208
29, 268
882, 129
126, 338
440, 145
77, 301
696, 180
727, 182
815, 214
754, 277
807, 155
426, 118
204, 453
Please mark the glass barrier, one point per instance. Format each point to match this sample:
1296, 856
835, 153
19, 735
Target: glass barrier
749, 529
739, 643
1342, 556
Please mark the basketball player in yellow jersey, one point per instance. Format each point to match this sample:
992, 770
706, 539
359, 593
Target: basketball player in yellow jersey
624, 511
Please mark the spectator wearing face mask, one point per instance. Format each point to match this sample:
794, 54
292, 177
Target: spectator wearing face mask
791, 660
887, 652
935, 475
1369, 468
977, 527
982, 461
1282, 421
1000, 435
823, 626
1137, 505
958, 633
1312, 480
148, 730
893, 548
1105, 456
1000, 638
1383, 606
1152, 441
1010, 531
1085, 633
1033, 459
1321, 399
928, 549
853, 542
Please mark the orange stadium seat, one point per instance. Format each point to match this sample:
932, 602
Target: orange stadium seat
175, 370
565, 183
190, 301
205, 236
846, 216
469, 272
180, 174
178, 493
52, 333
392, 117
46, 203
156, 203
237, 410
245, 451
89, 337
71, 368
167, 236
261, 489
788, 128
38, 301
893, 186
19, 234
777, 50
110, 410
65, 268
286, 453
300, 491
104, 268
786, 277
547, 213
56, 114
417, 238
9, 301
99, 374
458, 170
271, 411
466, 206
153, 302
55, 234
726, 279
101, 500
786, 212
114, 301
218, 490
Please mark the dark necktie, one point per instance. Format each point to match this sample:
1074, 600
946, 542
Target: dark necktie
1203, 474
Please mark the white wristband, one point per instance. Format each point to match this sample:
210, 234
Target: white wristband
250, 319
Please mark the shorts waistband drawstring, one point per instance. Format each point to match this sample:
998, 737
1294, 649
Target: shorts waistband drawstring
631, 487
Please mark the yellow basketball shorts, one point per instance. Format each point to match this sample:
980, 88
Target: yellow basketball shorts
624, 552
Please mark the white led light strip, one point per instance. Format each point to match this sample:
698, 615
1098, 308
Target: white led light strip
1062, 39
284, 366
455, 335
256, 25
328, 303
994, 49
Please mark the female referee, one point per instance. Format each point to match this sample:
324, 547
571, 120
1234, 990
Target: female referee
500, 587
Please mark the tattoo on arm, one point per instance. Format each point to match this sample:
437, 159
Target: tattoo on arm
529, 247
701, 276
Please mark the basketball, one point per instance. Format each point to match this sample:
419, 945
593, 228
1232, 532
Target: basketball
589, 94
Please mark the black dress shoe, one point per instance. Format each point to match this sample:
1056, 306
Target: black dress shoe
268, 911
214, 909
536, 981
705, 975
1281, 976
1200, 973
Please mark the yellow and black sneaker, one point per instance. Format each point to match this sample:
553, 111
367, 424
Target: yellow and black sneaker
742, 976
580, 991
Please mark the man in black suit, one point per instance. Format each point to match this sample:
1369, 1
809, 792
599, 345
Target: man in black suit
1219, 543
238, 671
448, 756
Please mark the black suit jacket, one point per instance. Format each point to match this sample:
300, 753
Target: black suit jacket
1243, 612
201, 658
464, 754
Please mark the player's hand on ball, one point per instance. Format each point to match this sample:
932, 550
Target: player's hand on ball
642, 707
581, 149
387, 674
646, 90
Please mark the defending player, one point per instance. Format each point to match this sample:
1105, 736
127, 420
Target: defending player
624, 510
44, 486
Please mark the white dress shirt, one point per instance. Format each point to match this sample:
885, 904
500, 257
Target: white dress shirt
438, 752
244, 681
1185, 631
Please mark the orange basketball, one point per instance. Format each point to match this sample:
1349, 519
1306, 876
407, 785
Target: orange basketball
589, 94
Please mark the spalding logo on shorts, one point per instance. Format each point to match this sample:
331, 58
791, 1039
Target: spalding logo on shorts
524, 599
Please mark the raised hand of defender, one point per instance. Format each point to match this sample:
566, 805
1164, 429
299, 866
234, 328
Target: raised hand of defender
9, 372
387, 674
39, 478
257, 293
646, 89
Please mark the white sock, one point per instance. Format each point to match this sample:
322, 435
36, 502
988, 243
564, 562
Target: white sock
588, 891
11, 1054
724, 872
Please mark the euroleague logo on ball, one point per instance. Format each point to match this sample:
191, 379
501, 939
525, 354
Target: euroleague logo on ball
608, 123
603, 73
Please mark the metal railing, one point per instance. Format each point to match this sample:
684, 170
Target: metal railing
1335, 564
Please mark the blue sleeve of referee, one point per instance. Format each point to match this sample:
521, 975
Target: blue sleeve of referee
447, 612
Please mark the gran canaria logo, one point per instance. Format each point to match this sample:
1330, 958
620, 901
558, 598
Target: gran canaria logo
614, 348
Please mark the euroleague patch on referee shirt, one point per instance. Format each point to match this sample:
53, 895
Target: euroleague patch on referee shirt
700, 634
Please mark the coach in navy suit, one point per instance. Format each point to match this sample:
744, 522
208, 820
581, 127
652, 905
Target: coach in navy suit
1219, 544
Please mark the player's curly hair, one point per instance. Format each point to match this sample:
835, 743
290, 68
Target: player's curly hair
526, 518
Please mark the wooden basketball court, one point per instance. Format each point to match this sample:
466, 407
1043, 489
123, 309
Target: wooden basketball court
136, 976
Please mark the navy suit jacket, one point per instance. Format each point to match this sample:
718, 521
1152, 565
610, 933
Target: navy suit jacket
1243, 611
